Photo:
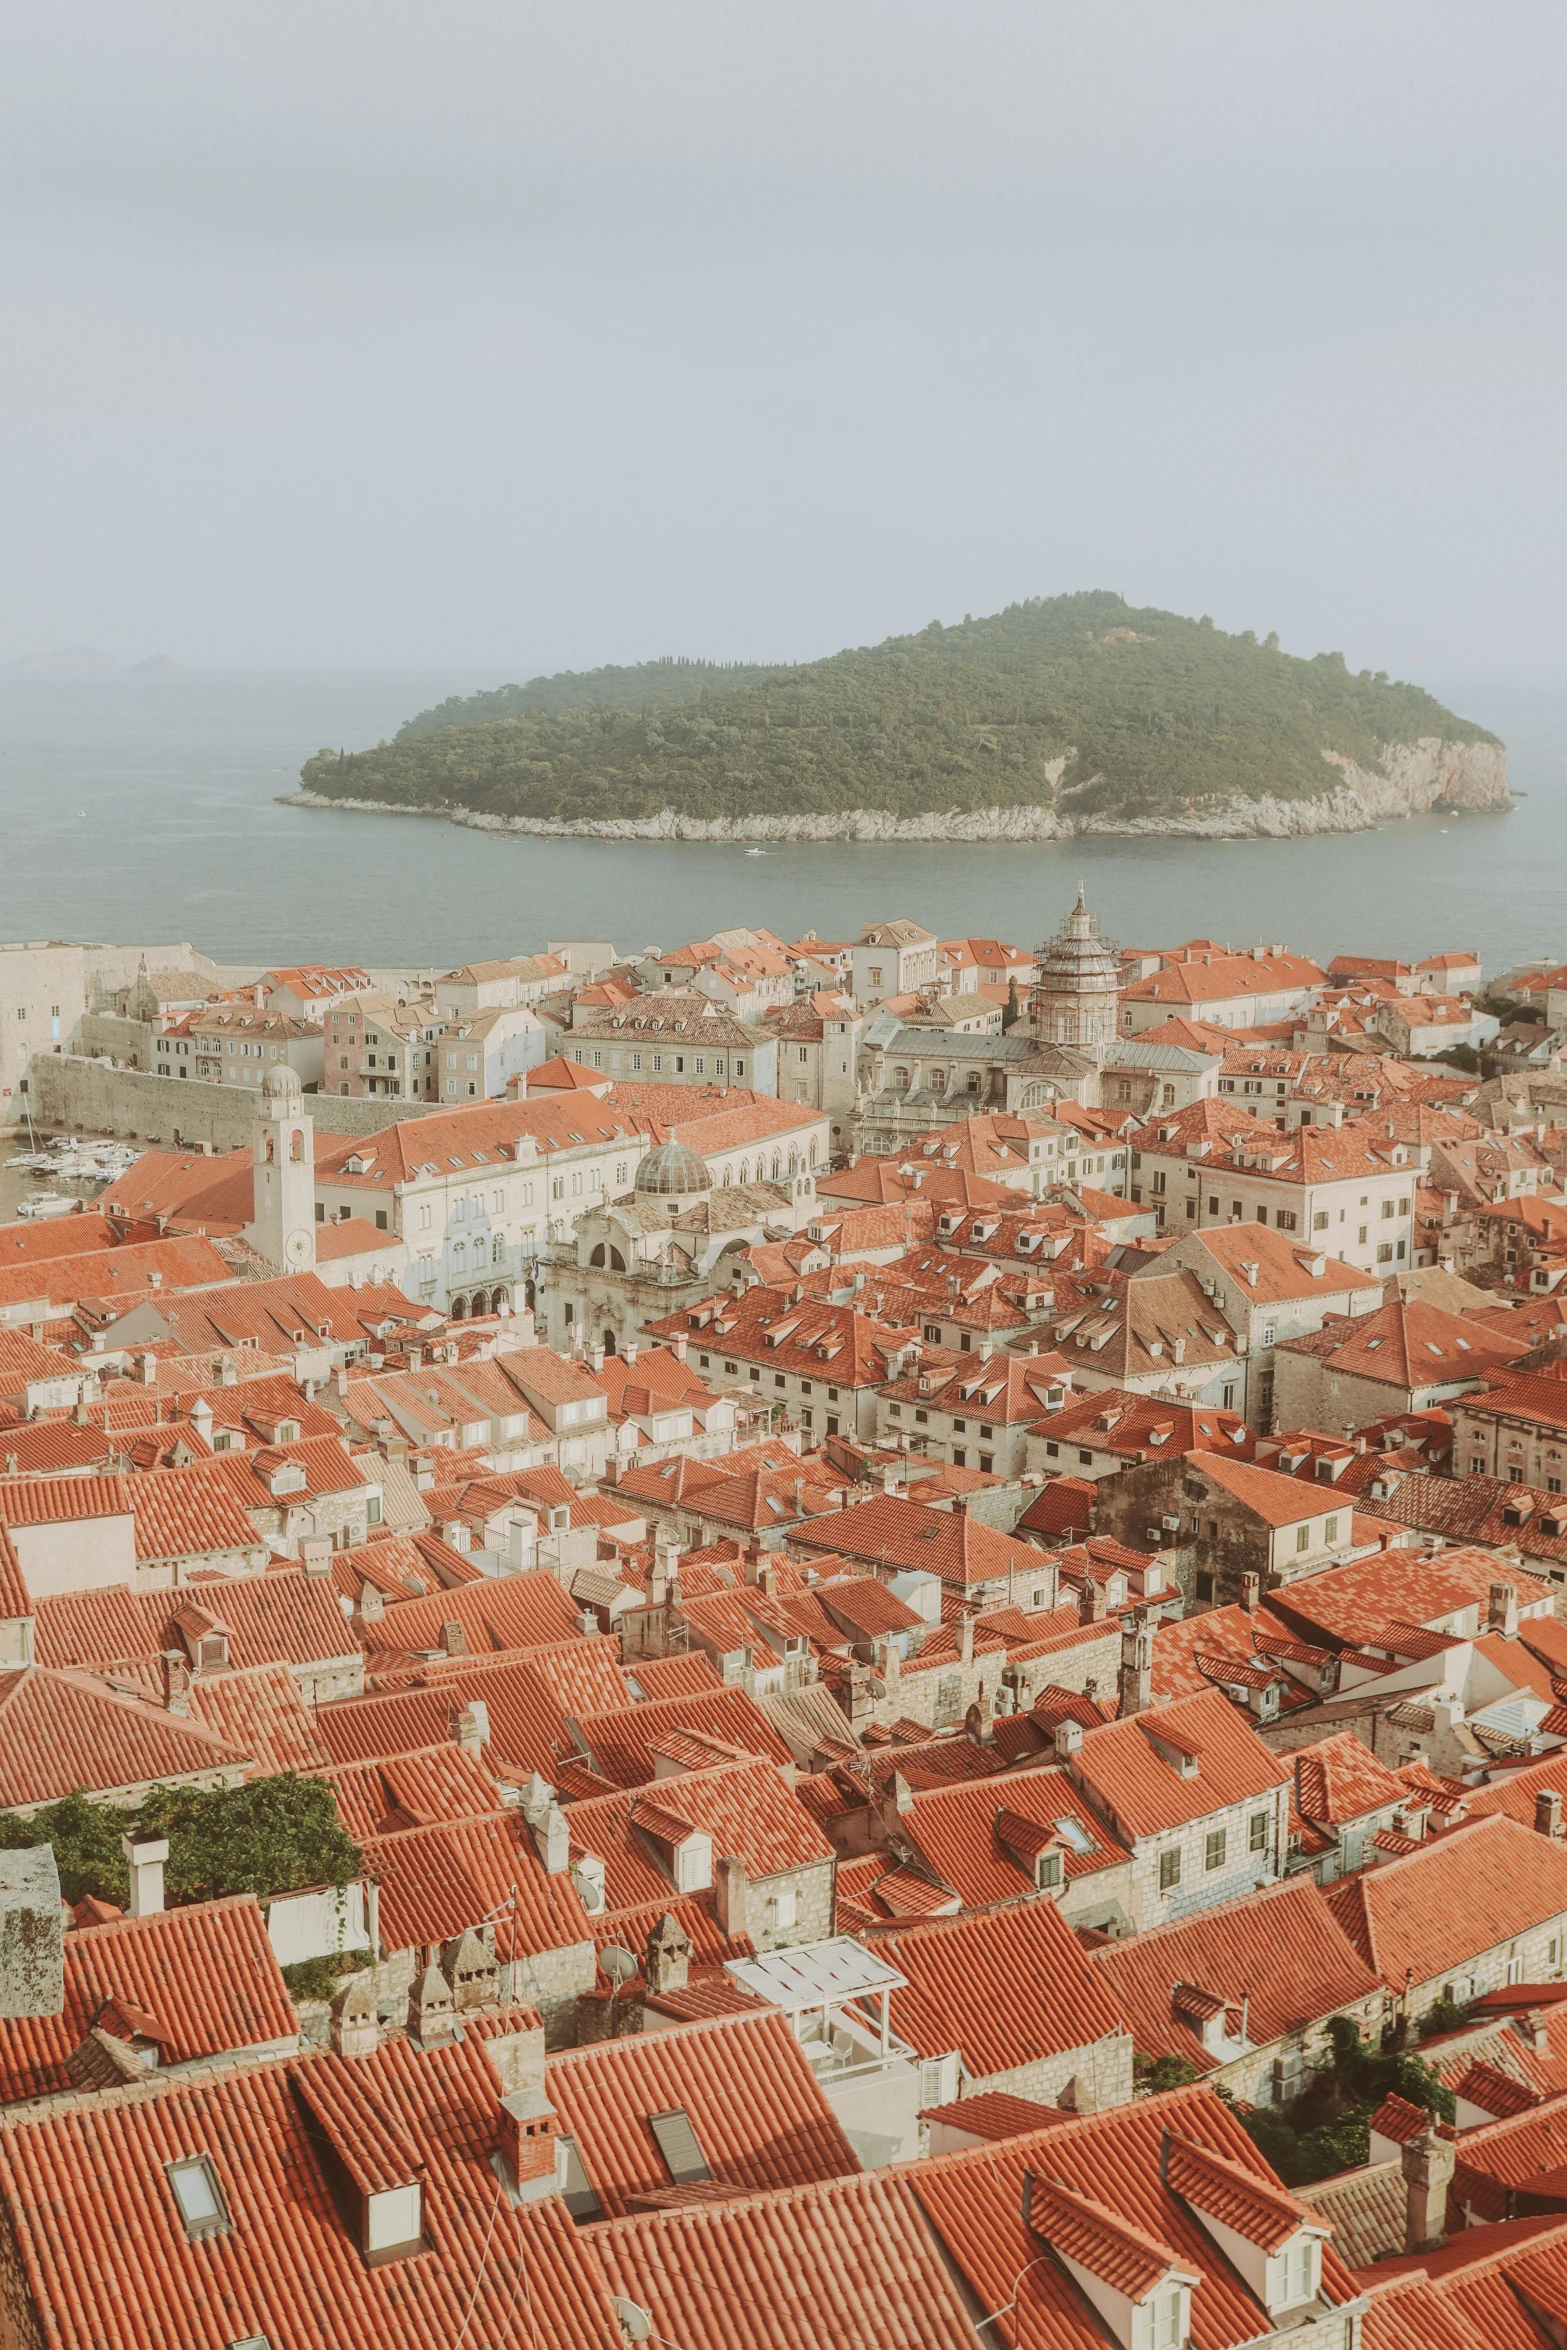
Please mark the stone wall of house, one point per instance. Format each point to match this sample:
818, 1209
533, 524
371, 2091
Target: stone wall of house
1085, 2080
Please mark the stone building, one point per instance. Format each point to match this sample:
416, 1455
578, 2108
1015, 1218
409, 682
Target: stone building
660, 1248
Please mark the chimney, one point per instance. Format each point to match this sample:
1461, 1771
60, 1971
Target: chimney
677, 1346
432, 2016
372, 1605
732, 1896
1502, 1615
1091, 1601
316, 1552
454, 1641
1136, 1678
356, 2028
145, 1856
667, 1960
340, 1383
1428, 2164
32, 1933
551, 1836
1533, 2031
965, 1639
1068, 1739
1548, 1814
628, 1353
473, 1727
147, 1369
1251, 1591
174, 1670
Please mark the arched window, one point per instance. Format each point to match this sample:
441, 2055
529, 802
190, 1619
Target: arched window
271, 1152
459, 1254
900, 1078
745, 1173
597, 1258
497, 1250
296, 1146
812, 1160
794, 1162
777, 1165
617, 1263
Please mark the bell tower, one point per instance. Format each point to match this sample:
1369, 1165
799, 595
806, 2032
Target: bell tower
1077, 995
282, 1228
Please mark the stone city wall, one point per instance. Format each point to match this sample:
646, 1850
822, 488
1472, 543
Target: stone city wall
69, 1095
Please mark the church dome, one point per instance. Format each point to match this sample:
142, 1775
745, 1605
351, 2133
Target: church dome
281, 1089
671, 1169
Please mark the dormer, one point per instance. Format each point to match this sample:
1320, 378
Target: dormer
1207, 2013
374, 2168
1033, 1847
1140, 2288
1173, 1747
206, 1639
683, 1852
1274, 2242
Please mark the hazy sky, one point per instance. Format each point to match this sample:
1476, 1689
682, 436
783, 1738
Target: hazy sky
518, 337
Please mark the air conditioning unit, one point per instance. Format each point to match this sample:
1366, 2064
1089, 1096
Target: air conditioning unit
1171, 1525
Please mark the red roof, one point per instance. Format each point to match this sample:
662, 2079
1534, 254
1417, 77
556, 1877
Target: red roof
203, 1981
1009, 1989
1281, 1950
59, 1731
286, 1615
742, 2081
1117, 2161
1127, 1776
624, 1744
502, 1611
894, 1535
1450, 1900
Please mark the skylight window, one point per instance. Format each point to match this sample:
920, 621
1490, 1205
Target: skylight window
198, 2196
1072, 1832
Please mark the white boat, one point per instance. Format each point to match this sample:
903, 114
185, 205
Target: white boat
49, 1203
756, 852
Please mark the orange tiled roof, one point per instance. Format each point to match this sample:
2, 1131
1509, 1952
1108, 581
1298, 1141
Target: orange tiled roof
744, 2084
205, 1978
499, 1612
1116, 2161
59, 1731
895, 1535
965, 1979
1448, 1901
1125, 1773
623, 1744
284, 1615
527, 1725
89, 2197
1282, 1950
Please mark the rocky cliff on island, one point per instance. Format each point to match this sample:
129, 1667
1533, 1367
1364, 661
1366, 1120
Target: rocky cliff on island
1056, 718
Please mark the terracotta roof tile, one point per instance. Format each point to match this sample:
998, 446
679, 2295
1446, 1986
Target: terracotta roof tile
1125, 1774
742, 2080
205, 1976
1006, 1990
623, 1744
1452, 1899
1281, 1949
59, 1731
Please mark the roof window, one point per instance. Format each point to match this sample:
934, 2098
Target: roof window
677, 2143
198, 2195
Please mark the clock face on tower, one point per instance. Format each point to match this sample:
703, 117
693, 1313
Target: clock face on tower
297, 1247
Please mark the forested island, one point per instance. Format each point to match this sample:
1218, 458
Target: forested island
1063, 714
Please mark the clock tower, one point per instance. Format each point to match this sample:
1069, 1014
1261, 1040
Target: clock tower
282, 1228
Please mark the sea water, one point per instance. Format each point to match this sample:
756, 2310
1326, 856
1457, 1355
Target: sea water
144, 807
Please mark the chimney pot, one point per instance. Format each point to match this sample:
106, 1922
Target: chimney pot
1548, 1813
732, 1895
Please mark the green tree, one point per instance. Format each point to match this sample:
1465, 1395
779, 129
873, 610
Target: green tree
1014, 1011
86, 1839
274, 1835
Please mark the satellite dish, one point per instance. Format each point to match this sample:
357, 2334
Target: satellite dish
620, 1967
635, 2323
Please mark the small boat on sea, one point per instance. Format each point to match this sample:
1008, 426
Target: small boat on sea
49, 1203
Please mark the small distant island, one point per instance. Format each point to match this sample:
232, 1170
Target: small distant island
1059, 716
93, 657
